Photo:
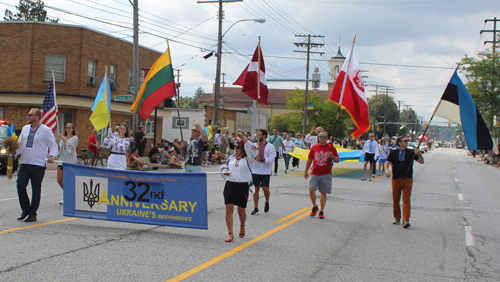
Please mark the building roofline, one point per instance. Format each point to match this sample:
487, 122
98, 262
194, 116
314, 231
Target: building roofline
78, 26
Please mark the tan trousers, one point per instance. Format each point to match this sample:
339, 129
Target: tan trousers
398, 186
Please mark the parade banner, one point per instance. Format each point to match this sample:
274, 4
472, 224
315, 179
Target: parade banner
171, 199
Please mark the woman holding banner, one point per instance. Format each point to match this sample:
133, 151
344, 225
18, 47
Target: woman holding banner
239, 180
119, 146
67, 151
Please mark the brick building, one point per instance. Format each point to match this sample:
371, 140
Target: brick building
78, 55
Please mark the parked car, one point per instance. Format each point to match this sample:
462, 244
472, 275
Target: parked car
4, 128
413, 145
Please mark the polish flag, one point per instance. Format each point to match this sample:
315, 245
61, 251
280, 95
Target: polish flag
249, 77
349, 93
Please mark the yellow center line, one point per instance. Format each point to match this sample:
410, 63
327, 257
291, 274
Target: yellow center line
292, 215
235, 250
378, 178
302, 173
37, 225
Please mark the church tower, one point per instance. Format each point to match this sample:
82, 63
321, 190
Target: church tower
335, 65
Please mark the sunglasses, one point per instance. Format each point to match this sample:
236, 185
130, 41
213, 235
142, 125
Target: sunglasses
323, 136
31, 115
404, 141
194, 130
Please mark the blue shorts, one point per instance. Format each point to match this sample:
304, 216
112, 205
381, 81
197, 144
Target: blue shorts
382, 161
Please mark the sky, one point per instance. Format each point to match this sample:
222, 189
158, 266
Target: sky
410, 45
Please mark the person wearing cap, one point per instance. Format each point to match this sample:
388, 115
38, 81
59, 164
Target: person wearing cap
195, 147
140, 140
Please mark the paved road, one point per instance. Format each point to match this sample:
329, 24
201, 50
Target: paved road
453, 237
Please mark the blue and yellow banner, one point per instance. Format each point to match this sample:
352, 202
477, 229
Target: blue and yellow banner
171, 199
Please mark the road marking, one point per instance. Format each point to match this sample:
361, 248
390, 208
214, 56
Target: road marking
378, 178
10, 199
229, 253
469, 240
302, 173
460, 196
456, 180
454, 171
292, 215
37, 225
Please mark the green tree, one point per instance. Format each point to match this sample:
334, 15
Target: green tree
189, 103
29, 11
483, 84
323, 114
392, 115
409, 118
198, 92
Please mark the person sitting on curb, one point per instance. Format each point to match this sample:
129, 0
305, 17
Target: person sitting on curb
135, 161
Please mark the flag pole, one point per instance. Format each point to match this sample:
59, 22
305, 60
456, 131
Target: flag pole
55, 102
178, 98
425, 130
258, 87
343, 90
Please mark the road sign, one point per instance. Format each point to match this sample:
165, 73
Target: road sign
124, 98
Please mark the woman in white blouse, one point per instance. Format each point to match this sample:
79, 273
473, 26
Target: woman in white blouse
238, 183
118, 148
67, 150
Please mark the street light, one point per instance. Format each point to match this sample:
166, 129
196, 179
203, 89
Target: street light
219, 61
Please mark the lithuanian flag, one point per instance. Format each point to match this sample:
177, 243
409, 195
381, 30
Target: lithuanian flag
158, 86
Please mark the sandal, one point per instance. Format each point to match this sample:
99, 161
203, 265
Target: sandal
242, 234
230, 239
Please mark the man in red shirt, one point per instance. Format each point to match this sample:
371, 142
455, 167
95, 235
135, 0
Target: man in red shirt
321, 175
92, 147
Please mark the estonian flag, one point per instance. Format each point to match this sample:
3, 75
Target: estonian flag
457, 105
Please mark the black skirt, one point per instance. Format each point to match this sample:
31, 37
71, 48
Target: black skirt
236, 193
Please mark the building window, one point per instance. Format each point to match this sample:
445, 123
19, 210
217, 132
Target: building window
1, 112
129, 90
128, 122
62, 119
182, 122
56, 63
150, 129
112, 73
92, 66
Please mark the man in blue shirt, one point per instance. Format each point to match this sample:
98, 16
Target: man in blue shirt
276, 141
371, 153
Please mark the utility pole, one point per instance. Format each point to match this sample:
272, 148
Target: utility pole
495, 30
178, 86
135, 63
308, 45
219, 57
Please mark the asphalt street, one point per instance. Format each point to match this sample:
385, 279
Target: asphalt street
454, 234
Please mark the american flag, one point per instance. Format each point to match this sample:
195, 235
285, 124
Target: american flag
49, 107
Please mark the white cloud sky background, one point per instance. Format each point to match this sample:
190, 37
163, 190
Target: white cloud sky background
430, 33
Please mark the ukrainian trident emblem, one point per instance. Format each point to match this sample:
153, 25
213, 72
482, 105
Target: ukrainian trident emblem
91, 194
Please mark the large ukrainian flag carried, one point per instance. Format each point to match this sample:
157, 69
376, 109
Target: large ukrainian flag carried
158, 86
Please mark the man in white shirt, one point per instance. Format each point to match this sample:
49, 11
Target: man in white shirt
313, 140
217, 139
371, 153
35, 140
262, 170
